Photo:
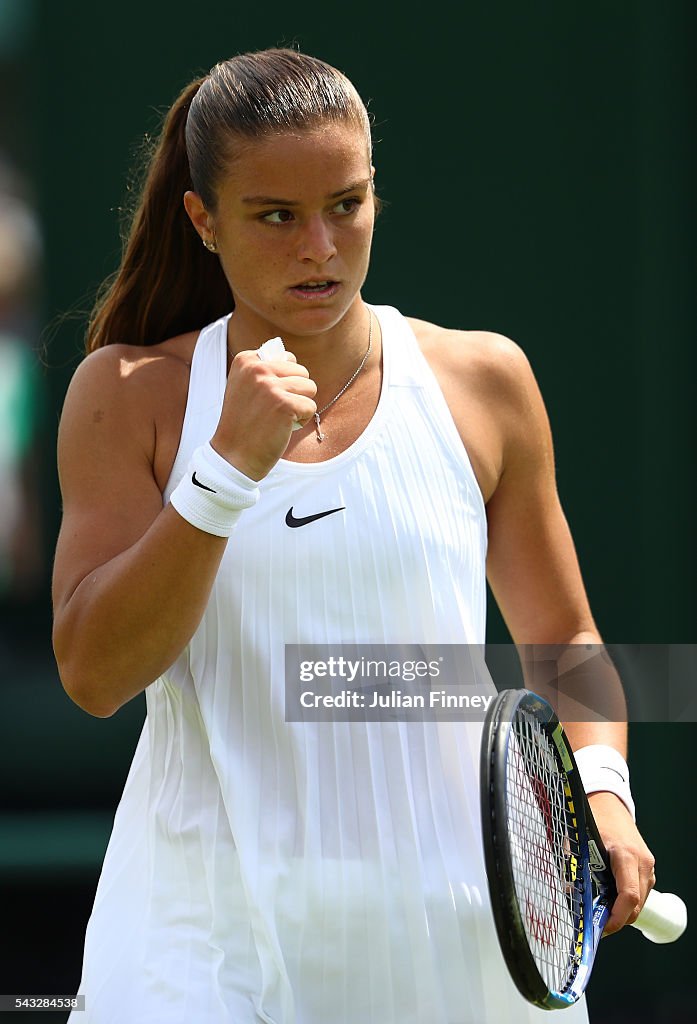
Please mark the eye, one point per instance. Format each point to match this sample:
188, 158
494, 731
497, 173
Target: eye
349, 205
277, 217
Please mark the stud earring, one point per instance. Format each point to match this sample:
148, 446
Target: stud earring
210, 245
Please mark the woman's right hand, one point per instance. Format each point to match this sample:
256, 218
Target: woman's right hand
263, 402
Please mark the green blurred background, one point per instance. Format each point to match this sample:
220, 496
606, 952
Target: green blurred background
538, 163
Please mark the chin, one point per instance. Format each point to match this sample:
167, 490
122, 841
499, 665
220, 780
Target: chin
317, 318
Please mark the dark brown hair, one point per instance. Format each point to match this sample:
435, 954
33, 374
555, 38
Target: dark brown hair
168, 283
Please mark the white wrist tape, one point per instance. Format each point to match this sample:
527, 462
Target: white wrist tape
212, 494
603, 768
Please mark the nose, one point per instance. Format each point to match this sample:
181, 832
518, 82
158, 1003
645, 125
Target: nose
316, 244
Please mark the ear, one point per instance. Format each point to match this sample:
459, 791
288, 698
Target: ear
199, 216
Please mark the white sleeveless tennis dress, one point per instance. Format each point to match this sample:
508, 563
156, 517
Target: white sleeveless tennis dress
312, 873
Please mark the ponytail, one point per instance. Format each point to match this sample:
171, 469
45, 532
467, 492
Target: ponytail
167, 283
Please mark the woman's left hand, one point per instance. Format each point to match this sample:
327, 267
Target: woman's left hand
631, 860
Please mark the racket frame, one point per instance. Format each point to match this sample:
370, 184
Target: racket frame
597, 887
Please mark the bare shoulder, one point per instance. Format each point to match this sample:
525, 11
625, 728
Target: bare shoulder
482, 358
130, 395
132, 370
491, 392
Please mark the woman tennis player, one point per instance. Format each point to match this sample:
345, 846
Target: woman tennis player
221, 502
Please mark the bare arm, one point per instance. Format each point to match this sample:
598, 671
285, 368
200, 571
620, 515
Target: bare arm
131, 578
534, 574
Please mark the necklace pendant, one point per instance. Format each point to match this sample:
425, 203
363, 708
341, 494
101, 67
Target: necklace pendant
349, 382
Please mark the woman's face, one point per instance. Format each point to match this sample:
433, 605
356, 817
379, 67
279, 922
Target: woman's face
294, 225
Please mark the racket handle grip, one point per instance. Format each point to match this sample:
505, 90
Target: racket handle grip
663, 917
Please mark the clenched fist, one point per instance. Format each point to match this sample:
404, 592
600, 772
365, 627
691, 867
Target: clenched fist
264, 401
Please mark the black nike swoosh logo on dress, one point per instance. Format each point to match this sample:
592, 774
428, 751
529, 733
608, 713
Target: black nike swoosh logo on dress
198, 483
292, 521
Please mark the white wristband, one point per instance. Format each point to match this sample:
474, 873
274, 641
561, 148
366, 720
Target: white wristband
212, 494
603, 768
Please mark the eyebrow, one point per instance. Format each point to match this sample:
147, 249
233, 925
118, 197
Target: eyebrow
275, 201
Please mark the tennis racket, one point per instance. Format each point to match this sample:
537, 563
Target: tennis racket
550, 883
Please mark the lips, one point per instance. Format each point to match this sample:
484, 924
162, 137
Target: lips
315, 288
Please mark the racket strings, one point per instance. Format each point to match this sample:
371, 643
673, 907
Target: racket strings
544, 852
